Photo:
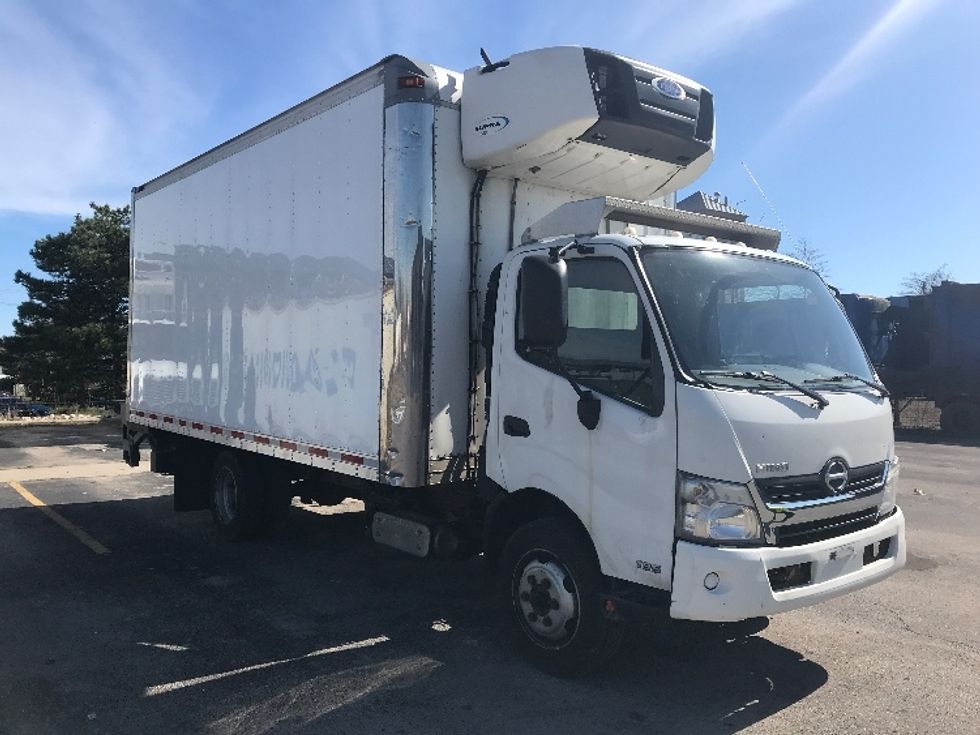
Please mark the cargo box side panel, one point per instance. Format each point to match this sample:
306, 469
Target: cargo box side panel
256, 300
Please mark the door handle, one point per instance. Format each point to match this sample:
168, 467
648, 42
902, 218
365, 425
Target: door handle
515, 426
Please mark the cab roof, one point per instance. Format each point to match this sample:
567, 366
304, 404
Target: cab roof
692, 243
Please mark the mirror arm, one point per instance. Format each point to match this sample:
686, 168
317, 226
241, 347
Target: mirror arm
560, 369
558, 251
589, 406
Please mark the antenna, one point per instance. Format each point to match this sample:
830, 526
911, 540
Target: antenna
772, 208
491, 66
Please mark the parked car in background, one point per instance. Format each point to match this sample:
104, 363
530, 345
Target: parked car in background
33, 409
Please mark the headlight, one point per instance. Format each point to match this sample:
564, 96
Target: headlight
888, 499
718, 511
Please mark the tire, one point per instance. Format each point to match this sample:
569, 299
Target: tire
239, 504
549, 584
960, 417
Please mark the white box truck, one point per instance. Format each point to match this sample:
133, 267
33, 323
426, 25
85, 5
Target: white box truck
465, 300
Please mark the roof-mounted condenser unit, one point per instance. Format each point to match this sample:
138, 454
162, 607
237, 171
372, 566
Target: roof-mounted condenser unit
587, 121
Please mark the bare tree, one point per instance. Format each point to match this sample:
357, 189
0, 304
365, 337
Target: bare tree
920, 284
810, 255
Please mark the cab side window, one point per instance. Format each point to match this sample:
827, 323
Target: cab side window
610, 347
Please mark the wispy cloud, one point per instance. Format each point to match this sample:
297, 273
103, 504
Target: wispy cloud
88, 93
677, 34
98, 95
680, 35
683, 33
860, 61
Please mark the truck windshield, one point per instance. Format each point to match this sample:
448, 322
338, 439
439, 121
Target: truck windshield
745, 321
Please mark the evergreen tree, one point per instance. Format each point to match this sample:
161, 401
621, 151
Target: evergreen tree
69, 341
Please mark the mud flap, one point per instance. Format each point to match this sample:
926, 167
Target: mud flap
133, 437
191, 470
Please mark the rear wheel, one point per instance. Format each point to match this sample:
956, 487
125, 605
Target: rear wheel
549, 580
238, 501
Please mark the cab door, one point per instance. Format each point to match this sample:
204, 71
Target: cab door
619, 477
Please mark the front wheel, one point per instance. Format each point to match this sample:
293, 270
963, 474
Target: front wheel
549, 581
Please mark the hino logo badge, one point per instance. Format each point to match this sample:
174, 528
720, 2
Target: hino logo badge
492, 124
772, 467
835, 475
669, 88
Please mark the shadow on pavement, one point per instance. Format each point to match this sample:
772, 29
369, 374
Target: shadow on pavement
177, 631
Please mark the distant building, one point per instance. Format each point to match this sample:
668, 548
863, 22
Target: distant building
714, 205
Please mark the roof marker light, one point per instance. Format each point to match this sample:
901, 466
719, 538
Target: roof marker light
411, 82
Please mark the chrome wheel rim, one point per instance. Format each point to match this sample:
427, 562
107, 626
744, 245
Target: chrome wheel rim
546, 599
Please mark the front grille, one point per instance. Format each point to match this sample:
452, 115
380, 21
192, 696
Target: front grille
861, 481
665, 111
798, 534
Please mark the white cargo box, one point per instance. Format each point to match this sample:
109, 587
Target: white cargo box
303, 290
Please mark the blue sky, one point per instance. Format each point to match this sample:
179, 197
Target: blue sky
860, 119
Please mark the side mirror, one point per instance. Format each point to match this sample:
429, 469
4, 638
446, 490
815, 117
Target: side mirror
544, 303
589, 409
659, 397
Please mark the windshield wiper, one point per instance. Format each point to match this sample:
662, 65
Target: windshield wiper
587, 366
765, 375
850, 376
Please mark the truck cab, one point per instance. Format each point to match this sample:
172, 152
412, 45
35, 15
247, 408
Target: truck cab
706, 415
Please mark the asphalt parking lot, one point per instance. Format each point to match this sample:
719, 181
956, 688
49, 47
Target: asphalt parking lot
119, 616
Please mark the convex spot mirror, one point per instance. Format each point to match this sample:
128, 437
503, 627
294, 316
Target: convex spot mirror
544, 303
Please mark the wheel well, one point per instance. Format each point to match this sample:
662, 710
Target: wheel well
510, 511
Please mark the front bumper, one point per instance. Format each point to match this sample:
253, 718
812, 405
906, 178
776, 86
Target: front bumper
743, 590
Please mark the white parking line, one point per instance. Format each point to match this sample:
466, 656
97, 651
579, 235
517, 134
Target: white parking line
163, 646
173, 686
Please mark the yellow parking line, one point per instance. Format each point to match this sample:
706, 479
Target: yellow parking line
58, 518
